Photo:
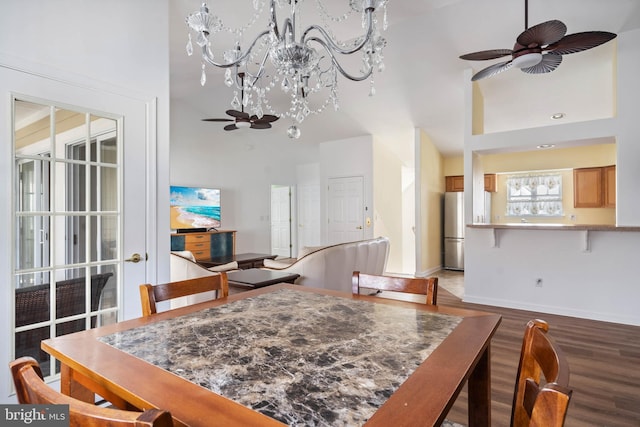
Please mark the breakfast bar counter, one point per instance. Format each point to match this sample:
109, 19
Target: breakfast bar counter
551, 226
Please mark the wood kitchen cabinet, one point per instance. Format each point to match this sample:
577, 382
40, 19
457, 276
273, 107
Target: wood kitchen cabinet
456, 182
609, 186
490, 182
594, 187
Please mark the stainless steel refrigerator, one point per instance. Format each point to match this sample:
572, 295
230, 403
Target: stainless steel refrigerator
454, 230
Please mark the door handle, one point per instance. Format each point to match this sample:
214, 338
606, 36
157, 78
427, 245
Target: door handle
135, 258
359, 227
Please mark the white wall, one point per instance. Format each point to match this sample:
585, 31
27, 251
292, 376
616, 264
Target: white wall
345, 158
239, 163
601, 284
88, 44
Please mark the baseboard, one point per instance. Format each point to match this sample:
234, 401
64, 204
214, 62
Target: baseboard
429, 272
561, 311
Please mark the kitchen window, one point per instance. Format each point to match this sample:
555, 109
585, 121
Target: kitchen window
537, 195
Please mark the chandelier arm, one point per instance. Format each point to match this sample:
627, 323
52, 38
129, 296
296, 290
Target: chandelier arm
240, 59
274, 19
261, 69
333, 44
337, 64
288, 24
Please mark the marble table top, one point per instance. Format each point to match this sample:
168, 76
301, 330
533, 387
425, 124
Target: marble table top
298, 357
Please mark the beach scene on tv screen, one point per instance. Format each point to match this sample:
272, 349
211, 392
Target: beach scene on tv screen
195, 207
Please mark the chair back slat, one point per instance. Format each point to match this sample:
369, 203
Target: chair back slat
427, 286
150, 295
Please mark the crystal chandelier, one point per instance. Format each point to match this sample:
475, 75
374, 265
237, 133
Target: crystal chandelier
304, 68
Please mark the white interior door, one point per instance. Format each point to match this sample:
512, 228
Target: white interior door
281, 220
346, 209
74, 218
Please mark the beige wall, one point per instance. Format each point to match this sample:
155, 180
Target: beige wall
453, 165
563, 158
432, 188
394, 199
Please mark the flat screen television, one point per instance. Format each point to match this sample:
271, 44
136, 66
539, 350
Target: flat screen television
195, 207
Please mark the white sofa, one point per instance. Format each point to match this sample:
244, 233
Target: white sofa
183, 266
331, 267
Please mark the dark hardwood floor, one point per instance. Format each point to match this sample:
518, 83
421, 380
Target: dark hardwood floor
604, 361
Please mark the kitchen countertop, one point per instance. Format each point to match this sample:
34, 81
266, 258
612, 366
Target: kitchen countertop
548, 226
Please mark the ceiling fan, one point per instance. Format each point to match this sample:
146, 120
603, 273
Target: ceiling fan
538, 49
244, 120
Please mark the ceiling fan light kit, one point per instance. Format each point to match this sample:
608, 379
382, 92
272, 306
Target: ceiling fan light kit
538, 49
300, 67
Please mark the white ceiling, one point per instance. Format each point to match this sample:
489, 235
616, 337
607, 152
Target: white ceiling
423, 83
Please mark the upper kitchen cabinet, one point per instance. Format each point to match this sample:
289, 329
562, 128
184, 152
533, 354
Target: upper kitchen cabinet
456, 183
609, 186
490, 182
594, 187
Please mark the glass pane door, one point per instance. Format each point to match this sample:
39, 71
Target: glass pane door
67, 224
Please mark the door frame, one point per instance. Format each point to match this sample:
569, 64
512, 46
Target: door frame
17, 79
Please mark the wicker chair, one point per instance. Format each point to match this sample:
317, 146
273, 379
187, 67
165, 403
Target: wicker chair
33, 306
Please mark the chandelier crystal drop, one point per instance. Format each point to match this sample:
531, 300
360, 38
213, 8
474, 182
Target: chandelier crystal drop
302, 62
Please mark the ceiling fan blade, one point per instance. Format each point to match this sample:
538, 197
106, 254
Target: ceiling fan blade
486, 54
260, 125
217, 120
231, 127
238, 114
266, 118
492, 70
542, 34
550, 61
580, 41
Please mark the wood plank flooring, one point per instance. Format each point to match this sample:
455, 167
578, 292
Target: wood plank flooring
604, 360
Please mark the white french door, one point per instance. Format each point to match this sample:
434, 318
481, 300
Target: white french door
79, 203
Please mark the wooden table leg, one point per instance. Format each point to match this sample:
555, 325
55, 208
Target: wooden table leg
82, 388
70, 387
480, 392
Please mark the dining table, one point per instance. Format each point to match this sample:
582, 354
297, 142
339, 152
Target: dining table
288, 355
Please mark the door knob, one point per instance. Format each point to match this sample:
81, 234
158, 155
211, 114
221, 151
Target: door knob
135, 258
359, 227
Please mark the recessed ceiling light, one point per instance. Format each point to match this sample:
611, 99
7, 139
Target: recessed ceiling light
544, 146
557, 116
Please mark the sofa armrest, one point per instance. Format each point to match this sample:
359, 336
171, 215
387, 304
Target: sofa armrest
277, 264
233, 265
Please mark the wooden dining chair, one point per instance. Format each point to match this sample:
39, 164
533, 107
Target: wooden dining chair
150, 294
427, 286
541, 396
31, 389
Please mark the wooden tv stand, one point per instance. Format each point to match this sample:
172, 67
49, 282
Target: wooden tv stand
206, 245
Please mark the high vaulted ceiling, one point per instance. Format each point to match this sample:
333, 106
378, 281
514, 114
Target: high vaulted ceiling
423, 83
